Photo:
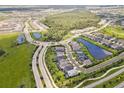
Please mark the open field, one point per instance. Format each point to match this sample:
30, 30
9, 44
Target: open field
15, 64
61, 24
115, 31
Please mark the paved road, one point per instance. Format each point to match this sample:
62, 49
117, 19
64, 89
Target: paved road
121, 85
100, 77
39, 25
43, 68
41, 61
35, 69
34, 60
86, 30
105, 79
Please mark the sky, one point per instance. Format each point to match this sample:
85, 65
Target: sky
61, 2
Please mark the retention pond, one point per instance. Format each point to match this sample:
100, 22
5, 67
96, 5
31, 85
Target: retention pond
96, 51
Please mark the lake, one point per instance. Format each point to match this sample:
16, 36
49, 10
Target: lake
97, 52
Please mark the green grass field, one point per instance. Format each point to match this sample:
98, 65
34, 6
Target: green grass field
15, 64
115, 31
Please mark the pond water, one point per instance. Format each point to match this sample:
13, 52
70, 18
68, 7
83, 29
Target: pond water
20, 39
37, 35
97, 52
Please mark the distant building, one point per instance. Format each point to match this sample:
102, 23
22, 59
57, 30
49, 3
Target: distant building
122, 23
60, 48
87, 62
63, 64
59, 54
70, 72
81, 56
75, 46
115, 46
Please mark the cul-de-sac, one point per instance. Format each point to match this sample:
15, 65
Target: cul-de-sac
62, 46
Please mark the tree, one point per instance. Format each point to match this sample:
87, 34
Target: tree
104, 86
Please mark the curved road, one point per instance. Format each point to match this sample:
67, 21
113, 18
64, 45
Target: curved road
41, 61
43, 68
35, 69
105, 79
100, 77
34, 60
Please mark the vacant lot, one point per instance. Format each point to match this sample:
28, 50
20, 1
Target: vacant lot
115, 31
15, 64
61, 24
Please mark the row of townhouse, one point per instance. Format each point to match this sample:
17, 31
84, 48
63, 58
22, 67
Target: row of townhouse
63, 63
106, 40
80, 55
